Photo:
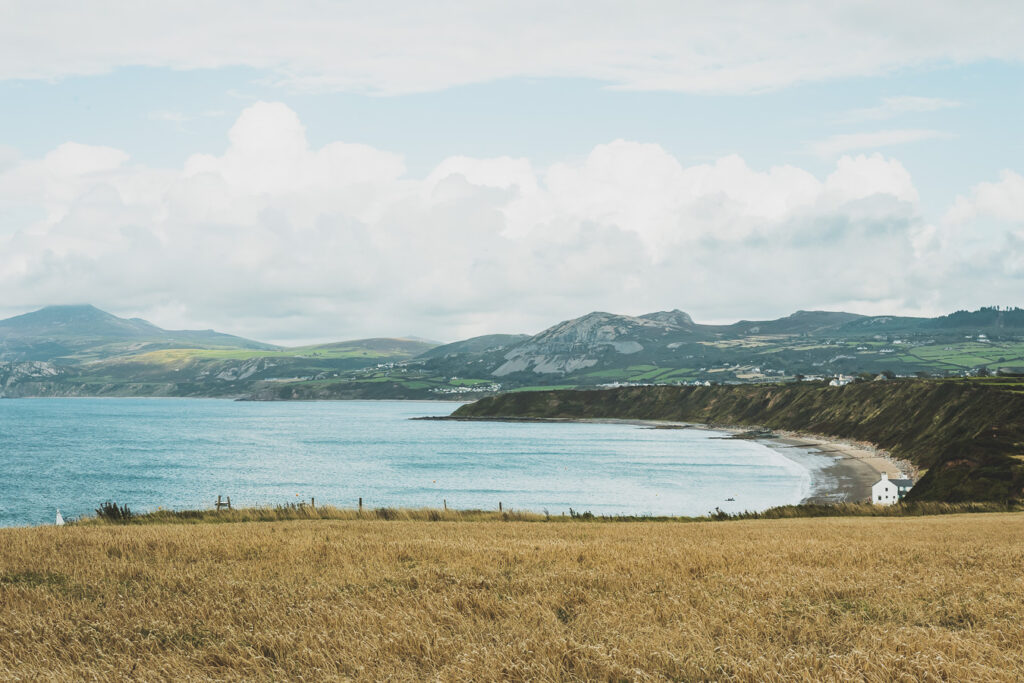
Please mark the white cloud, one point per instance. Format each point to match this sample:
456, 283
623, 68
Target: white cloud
73, 159
850, 142
892, 107
864, 176
1002, 200
399, 46
975, 253
281, 241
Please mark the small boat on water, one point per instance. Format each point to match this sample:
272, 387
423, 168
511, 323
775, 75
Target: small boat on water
60, 518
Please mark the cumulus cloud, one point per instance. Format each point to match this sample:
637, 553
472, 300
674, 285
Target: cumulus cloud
974, 254
399, 46
282, 241
1002, 200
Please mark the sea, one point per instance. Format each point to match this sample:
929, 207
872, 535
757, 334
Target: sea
76, 453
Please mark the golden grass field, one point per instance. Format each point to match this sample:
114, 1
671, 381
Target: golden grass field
876, 599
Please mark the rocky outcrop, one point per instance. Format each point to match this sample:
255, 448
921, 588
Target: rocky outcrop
244, 370
583, 342
14, 374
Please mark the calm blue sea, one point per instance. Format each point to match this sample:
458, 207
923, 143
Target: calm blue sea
181, 453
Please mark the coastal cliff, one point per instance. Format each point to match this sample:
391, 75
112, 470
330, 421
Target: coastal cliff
968, 439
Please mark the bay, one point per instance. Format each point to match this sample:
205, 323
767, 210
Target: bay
182, 453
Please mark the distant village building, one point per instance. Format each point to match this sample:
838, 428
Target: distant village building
840, 381
888, 491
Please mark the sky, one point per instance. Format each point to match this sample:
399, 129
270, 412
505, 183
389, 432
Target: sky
315, 171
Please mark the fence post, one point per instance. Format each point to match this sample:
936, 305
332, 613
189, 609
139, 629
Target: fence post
229, 502
312, 502
499, 506
360, 504
445, 503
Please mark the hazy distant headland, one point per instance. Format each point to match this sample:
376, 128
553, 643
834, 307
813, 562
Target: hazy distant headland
83, 351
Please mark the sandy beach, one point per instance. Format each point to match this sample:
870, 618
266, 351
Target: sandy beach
853, 469
841, 470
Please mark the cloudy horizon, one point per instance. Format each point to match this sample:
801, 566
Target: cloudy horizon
336, 172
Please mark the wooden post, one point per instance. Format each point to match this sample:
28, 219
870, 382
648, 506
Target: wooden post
360, 504
445, 503
229, 502
499, 506
312, 502
218, 503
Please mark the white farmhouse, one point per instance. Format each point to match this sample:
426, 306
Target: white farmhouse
888, 491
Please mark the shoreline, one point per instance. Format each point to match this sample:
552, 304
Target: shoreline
841, 471
853, 469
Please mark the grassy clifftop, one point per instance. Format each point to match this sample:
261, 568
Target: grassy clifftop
970, 438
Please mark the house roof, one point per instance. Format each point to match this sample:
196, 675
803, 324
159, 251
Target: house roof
899, 483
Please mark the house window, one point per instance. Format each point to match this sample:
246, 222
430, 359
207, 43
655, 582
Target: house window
879, 498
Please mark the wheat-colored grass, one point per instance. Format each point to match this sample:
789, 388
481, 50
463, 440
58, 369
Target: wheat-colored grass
305, 511
876, 599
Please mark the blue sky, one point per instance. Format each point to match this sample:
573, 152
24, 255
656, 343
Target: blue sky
161, 116
642, 145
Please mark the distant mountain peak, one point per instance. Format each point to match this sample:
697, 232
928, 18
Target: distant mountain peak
72, 330
675, 317
84, 317
822, 314
71, 310
605, 326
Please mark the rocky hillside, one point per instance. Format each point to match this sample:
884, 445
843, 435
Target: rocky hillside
583, 342
668, 347
14, 374
101, 354
968, 438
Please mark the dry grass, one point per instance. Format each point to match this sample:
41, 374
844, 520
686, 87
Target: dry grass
294, 512
877, 599
302, 511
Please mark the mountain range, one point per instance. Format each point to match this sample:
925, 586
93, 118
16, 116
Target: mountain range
82, 350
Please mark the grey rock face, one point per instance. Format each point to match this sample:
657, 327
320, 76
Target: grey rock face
581, 343
244, 370
13, 374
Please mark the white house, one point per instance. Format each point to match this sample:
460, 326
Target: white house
888, 491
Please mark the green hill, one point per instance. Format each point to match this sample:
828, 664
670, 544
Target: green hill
77, 333
475, 345
668, 347
378, 347
84, 351
90, 352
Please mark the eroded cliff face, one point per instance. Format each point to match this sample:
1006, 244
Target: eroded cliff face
968, 437
33, 379
14, 374
240, 371
581, 343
